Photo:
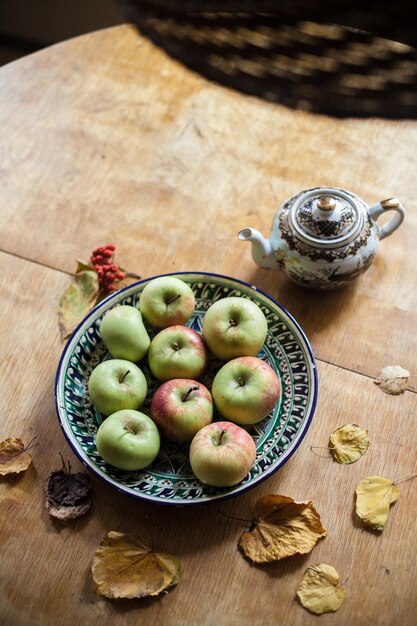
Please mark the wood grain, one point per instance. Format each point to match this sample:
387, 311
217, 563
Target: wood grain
109, 134
51, 562
105, 138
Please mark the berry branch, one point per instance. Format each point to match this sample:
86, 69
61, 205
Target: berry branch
102, 259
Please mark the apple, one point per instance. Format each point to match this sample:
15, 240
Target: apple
117, 384
245, 390
167, 301
221, 454
180, 408
128, 439
124, 333
234, 327
177, 352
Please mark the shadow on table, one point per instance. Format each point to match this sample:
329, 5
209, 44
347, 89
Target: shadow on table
313, 309
328, 57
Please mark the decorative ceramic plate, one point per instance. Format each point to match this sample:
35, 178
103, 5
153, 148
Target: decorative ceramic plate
170, 479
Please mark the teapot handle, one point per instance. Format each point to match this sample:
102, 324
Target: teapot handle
391, 204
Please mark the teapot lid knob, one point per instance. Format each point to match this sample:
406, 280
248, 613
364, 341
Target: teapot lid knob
326, 217
326, 203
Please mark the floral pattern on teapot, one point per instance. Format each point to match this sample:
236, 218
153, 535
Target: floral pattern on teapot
323, 238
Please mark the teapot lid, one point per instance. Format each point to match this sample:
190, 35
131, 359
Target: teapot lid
325, 217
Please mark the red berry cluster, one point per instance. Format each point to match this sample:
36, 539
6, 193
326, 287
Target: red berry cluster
108, 271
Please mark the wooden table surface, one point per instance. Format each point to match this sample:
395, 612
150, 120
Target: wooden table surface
105, 138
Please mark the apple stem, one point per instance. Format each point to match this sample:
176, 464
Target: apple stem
191, 389
124, 376
219, 441
232, 323
241, 381
129, 429
173, 299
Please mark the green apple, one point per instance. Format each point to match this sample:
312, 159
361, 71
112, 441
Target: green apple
167, 301
117, 384
234, 327
124, 333
128, 439
180, 408
177, 352
245, 390
221, 454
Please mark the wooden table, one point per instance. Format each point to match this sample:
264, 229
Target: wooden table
105, 138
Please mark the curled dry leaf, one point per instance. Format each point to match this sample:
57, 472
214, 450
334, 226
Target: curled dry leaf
14, 457
374, 496
282, 528
92, 282
67, 495
124, 567
320, 590
392, 379
78, 298
348, 443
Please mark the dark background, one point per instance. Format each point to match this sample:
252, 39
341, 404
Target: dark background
28, 25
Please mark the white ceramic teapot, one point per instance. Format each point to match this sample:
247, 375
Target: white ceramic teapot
323, 237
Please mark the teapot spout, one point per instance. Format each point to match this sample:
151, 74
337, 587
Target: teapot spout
262, 252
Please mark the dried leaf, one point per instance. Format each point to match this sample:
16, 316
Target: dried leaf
392, 379
77, 300
14, 457
374, 496
282, 528
68, 495
320, 590
124, 567
348, 443
83, 267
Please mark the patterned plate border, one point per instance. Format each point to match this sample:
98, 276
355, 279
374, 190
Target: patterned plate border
169, 479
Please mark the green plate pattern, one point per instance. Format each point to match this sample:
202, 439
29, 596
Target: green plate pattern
170, 479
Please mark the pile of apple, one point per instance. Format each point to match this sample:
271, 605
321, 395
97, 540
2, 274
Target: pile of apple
244, 390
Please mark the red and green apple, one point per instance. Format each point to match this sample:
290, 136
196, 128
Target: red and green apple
233, 327
180, 408
221, 454
245, 390
177, 352
167, 301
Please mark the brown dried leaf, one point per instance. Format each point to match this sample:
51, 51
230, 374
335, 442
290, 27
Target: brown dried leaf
124, 567
68, 495
282, 528
78, 299
14, 457
348, 443
374, 496
392, 379
320, 590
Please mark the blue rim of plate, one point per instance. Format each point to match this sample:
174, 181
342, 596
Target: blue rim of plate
169, 480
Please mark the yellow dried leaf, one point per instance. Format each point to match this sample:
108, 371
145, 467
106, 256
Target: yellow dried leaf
14, 457
78, 299
348, 443
392, 379
282, 528
374, 496
124, 567
320, 590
